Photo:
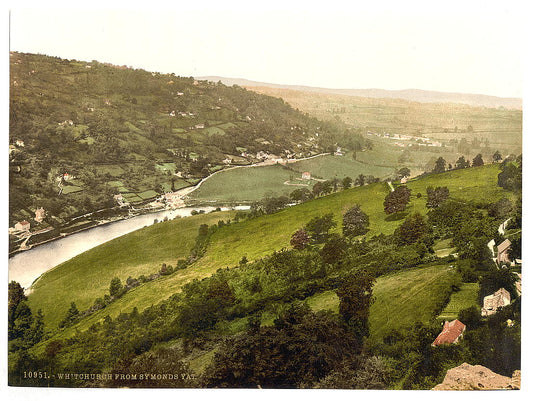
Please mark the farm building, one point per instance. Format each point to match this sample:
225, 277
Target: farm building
450, 334
491, 303
306, 175
22, 226
503, 252
19, 143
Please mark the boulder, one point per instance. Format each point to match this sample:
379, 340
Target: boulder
468, 377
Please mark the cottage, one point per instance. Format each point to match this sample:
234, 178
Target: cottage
40, 214
306, 175
491, 303
503, 252
199, 126
450, 334
19, 143
403, 180
172, 113
22, 226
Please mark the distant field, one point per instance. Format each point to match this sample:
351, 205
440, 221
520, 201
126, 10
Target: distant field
245, 184
328, 167
401, 298
503, 128
462, 299
87, 276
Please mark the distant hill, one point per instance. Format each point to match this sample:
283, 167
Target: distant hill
416, 95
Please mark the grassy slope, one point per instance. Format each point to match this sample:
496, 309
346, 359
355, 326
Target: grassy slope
400, 298
464, 298
258, 237
86, 277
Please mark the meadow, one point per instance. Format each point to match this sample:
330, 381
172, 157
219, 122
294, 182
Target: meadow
401, 298
462, 299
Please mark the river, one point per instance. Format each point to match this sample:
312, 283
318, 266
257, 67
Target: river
25, 267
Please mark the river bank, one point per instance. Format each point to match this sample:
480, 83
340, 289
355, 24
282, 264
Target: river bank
25, 267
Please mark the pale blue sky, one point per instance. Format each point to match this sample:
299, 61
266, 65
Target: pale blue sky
472, 48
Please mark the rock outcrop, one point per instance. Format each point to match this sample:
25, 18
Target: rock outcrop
468, 377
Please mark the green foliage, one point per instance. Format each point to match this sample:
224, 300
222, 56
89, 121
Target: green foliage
510, 177
297, 352
71, 317
300, 239
116, 289
440, 165
318, 227
413, 229
397, 200
478, 160
355, 296
436, 196
355, 222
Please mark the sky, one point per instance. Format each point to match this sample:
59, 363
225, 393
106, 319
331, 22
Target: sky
472, 48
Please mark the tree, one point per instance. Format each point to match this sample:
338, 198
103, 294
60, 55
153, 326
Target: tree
300, 239
318, 227
478, 160
359, 181
440, 165
333, 250
15, 298
116, 288
397, 200
71, 317
404, 172
462, 163
355, 222
346, 182
355, 299
437, 196
497, 156
412, 229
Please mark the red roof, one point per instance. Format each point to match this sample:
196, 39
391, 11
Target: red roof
450, 333
24, 223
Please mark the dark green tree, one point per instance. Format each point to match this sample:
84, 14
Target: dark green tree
440, 165
497, 156
355, 222
116, 288
436, 196
71, 317
478, 160
334, 249
355, 296
318, 227
413, 229
346, 182
397, 200
462, 163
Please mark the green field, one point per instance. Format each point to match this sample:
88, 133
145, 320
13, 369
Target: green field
254, 238
87, 276
401, 298
328, 167
462, 299
245, 184
70, 189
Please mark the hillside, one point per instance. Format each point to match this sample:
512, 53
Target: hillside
415, 95
81, 133
253, 238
